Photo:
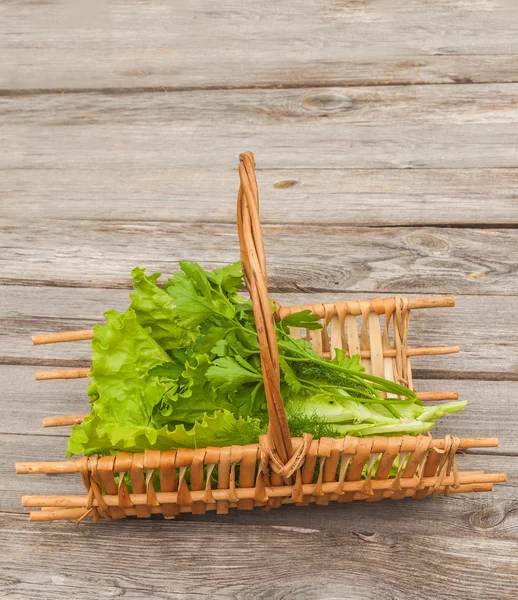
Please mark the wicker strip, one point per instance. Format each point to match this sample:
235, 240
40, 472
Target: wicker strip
386, 461
168, 481
223, 479
197, 479
283, 491
254, 267
105, 471
247, 468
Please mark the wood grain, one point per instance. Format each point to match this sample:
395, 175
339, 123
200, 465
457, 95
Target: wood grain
451, 104
385, 127
46, 557
478, 324
130, 159
155, 44
355, 197
491, 409
371, 260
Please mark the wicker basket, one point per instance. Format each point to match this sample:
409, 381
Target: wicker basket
278, 469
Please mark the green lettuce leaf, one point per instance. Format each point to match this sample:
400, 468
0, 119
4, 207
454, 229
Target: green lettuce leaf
155, 311
122, 388
123, 353
100, 435
191, 397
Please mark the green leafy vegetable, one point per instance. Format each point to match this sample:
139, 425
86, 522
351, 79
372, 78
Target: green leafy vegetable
155, 310
181, 368
303, 318
227, 374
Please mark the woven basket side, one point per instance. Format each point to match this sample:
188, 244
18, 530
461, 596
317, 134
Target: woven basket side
376, 329
186, 480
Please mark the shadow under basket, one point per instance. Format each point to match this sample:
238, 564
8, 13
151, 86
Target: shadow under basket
278, 469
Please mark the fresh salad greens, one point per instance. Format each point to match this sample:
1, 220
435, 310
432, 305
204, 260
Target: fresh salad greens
181, 368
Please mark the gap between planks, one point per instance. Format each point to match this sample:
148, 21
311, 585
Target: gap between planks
310, 225
279, 85
325, 224
273, 289
469, 375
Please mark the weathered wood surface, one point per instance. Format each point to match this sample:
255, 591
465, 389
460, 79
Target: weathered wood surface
384, 127
466, 548
116, 44
29, 403
368, 260
371, 184
395, 105
354, 197
479, 324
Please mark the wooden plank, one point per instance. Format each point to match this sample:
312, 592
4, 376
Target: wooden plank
24, 402
491, 411
235, 45
421, 260
56, 309
48, 558
384, 127
325, 106
364, 560
359, 197
478, 324
41, 447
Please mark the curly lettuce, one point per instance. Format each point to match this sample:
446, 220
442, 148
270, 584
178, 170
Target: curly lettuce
181, 368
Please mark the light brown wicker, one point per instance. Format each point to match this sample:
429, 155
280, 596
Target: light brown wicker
278, 469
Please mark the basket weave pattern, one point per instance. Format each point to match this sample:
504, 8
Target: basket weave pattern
280, 469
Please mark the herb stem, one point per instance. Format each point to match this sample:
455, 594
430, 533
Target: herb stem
384, 385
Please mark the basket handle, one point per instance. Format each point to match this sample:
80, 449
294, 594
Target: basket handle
254, 269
